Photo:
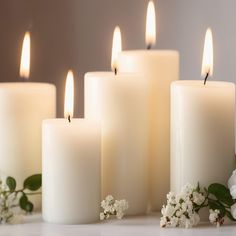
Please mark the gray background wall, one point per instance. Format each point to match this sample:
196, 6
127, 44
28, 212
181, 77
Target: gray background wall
77, 34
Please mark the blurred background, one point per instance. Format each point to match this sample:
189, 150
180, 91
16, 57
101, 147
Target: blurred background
77, 35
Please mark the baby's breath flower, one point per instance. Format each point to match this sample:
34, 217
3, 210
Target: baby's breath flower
102, 216
113, 207
180, 208
198, 198
215, 217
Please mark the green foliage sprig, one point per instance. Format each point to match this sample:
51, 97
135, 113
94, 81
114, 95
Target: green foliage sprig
182, 209
219, 198
11, 198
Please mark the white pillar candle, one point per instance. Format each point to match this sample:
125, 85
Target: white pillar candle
71, 169
202, 133
202, 128
23, 106
120, 102
160, 68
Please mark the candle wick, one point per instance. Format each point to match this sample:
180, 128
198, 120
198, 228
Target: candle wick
115, 71
69, 119
207, 74
149, 46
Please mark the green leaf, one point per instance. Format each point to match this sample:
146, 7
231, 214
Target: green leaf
221, 193
33, 182
25, 204
215, 205
198, 187
11, 183
229, 215
29, 207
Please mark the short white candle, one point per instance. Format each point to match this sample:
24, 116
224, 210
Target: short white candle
71, 169
23, 106
160, 68
202, 129
120, 102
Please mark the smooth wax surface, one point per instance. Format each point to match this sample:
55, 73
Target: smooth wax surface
23, 106
71, 171
120, 103
202, 133
160, 68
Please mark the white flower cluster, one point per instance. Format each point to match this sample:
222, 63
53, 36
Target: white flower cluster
215, 217
181, 209
232, 188
113, 207
6, 203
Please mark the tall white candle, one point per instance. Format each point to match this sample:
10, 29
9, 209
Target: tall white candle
71, 168
23, 106
160, 68
202, 128
120, 103
202, 132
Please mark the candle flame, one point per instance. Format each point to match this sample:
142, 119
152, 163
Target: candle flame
150, 25
25, 57
69, 96
116, 48
207, 60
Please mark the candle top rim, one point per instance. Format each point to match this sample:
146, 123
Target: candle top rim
109, 74
200, 84
74, 121
25, 85
159, 52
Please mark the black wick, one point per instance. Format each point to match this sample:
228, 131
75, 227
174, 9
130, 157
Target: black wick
115, 70
69, 119
149, 46
207, 74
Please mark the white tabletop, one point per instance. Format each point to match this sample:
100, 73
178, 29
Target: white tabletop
129, 226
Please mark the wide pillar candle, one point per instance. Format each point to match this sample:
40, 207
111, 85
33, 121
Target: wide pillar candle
202, 133
160, 68
120, 103
71, 171
23, 106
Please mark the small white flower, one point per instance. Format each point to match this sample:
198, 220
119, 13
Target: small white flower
119, 215
233, 191
102, 216
188, 224
171, 198
198, 198
232, 180
195, 219
169, 210
179, 210
179, 213
174, 221
233, 210
163, 222
109, 198
184, 206
187, 190
182, 221
113, 207
215, 217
